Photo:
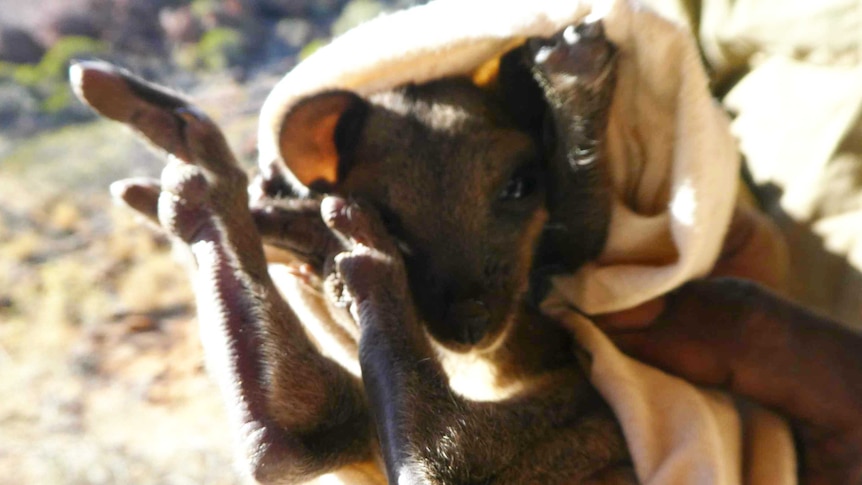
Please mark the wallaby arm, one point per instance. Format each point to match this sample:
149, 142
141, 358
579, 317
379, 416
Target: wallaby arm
297, 413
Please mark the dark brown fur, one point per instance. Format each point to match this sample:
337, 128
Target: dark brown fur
465, 188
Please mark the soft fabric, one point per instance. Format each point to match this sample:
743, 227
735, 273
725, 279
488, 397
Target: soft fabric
791, 73
799, 122
674, 168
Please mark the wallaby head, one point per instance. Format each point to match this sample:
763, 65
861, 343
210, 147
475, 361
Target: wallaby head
456, 183
466, 178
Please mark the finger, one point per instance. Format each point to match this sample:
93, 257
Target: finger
638, 317
696, 335
740, 336
139, 194
754, 248
677, 353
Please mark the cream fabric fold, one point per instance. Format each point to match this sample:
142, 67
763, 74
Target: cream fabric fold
799, 121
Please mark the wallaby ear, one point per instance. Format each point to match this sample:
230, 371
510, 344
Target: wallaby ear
317, 135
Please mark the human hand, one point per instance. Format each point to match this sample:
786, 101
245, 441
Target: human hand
742, 337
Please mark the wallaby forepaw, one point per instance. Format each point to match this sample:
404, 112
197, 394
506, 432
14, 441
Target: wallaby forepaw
270, 183
180, 203
371, 261
355, 222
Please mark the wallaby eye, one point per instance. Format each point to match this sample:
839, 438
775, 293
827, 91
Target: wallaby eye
522, 184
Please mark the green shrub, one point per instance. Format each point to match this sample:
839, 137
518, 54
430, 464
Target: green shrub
46, 80
311, 48
220, 48
355, 13
55, 62
203, 8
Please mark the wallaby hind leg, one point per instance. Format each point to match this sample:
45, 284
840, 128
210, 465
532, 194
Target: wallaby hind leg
575, 70
296, 414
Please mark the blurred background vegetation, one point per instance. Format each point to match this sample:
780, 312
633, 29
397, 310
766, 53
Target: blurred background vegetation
100, 368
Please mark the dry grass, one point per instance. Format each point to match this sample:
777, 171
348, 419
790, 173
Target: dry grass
100, 366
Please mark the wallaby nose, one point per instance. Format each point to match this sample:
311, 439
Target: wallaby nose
471, 319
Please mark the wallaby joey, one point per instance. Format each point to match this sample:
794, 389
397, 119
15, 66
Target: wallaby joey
434, 202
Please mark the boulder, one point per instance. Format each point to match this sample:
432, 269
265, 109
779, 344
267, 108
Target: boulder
19, 46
